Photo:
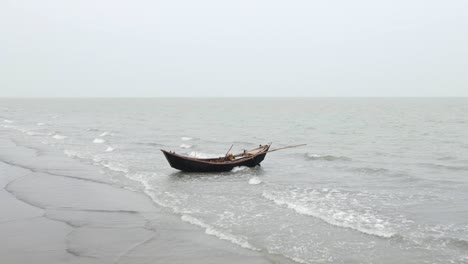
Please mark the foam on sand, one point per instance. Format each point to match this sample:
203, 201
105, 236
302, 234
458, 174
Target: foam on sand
213, 232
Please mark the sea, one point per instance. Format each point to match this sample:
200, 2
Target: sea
381, 180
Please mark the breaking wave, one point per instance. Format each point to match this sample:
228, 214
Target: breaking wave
335, 208
7, 121
185, 146
186, 138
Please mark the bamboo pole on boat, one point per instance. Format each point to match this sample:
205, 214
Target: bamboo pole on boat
295, 146
229, 150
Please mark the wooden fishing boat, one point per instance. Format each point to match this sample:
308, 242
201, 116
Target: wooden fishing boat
249, 158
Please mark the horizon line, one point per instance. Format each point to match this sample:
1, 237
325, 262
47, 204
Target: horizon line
217, 97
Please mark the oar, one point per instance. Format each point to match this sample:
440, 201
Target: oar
295, 146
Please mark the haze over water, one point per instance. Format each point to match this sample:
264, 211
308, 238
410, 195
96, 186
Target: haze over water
380, 181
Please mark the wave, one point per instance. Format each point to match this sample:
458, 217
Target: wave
186, 138
446, 167
32, 133
98, 141
335, 208
326, 157
103, 134
458, 242
7, 121
255, 180
74, 154
41, 124
113, 166
369, 170
109, 149
9, 126
59, 137
152, 144
214, 232
209, 230
236, 169
185, 146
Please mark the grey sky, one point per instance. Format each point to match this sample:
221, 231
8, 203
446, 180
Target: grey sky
233, 48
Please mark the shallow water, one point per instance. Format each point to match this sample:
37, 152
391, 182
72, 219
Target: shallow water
381, 180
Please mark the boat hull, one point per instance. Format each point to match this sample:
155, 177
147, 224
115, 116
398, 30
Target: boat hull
196, 165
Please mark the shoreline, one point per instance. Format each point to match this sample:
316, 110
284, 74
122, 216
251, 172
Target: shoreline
56, 209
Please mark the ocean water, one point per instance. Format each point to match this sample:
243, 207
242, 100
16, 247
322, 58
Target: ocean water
380, 181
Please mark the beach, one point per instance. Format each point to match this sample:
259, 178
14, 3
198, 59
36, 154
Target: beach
57, 210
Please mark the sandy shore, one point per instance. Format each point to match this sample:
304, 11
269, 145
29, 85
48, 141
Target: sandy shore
55, 209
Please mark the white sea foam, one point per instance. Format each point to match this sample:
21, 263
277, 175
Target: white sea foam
32, 133
185, 146
59, 137
115, 166
151, 192
334, 208
98, 140
73, 154
7, 121
212, 231
109, 149
255, 180
9, 126
186, 138
236, 169
104, 134
41, 124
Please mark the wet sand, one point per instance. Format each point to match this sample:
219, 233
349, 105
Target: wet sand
55, 209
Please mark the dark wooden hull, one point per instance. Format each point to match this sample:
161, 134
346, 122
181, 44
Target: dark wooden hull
188, 164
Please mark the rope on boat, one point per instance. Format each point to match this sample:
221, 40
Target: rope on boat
295, 146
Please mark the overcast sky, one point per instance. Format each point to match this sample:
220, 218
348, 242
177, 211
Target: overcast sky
154, 48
